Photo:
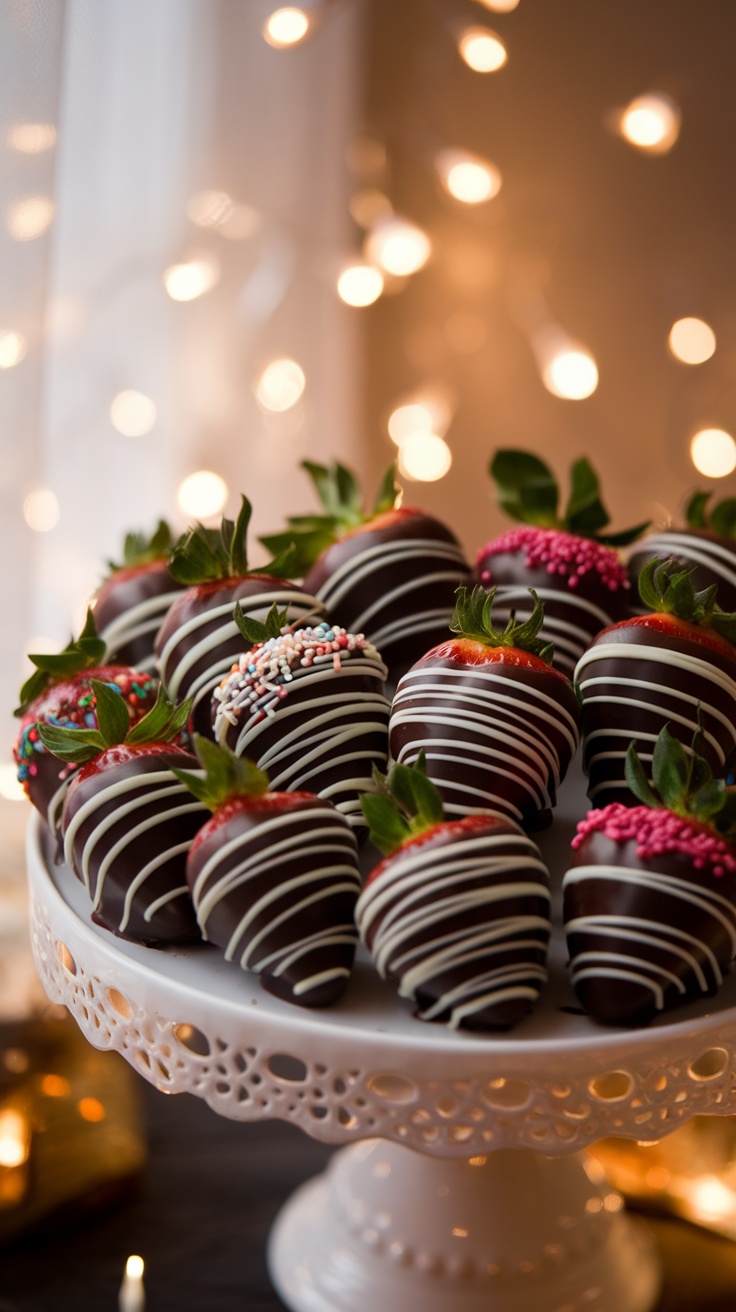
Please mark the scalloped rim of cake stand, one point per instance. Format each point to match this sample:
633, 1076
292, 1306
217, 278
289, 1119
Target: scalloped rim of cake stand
416, 1081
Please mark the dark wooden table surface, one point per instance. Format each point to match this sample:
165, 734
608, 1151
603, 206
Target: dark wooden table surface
201, 1217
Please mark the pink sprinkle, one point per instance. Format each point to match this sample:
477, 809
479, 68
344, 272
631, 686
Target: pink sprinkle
562, 553
660, 831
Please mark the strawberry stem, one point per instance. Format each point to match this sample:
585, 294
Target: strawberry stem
225, 775
406, 804
682, 782
667, 589
472, 619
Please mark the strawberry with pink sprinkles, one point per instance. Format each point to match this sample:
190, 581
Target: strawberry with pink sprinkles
649, 900
572, 565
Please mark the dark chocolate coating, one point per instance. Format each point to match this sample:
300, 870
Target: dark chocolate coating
639, 695
297, 885
209, 607
469, 942
666, 932
403, 596
119, 602
507, 572
710, 556
497, 736
161, 824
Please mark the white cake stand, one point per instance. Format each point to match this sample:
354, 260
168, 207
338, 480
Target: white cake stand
459, 1189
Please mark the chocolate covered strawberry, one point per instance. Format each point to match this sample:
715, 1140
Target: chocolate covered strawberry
309, 706
127, 821
572, 565
199, 640
274, 879
132, 602
657, 669
457, 913
389, 572
650, 899
706, 546
498, 723
60, 693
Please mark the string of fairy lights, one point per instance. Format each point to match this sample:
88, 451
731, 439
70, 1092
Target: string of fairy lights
395, 249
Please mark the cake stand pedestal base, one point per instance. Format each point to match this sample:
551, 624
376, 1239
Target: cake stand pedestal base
391, 1229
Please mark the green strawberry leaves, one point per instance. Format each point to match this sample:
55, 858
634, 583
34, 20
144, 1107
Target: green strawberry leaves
682, 782
203, 555
666, 588
82, 653
162, 724
472, 619
528, 492
141, 550
721, 520
226, 775
339, 492
405, 805
255, 631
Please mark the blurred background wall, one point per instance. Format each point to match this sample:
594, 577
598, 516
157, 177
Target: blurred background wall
184, 189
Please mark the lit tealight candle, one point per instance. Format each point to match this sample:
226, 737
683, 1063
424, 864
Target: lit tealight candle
132, 1297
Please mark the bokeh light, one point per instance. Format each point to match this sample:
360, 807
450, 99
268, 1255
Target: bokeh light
30, 218
202, 494
280, 385
398, 247
692, 341
713, 452
132, 413
360, 284
467, 177
499, 6
187, 281
218, 211
286, 27
12, 349
482, 50
424, 457
10, 788
368, 207
31, 138
651, 123
428, 411
41, 510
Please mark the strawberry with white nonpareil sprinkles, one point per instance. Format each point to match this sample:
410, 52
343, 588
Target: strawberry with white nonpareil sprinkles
572, 565
389, 572
199, 639
498, 724
60, 693
663, 667
309, 706
127, 821
650, 900
274, 879
457, 913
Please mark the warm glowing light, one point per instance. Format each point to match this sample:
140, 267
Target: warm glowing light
713, 452
12, 349
217, 210
30, 218
41, 510
424, 457
499, 6
368, 207
710, 1197
692, 341
32, 138
185, 282
468, 178
286, 27
14, 1138
10, 788
280, 385
571, 373
482, 50
91, 1109
360, 284
651, 123
134, 1267
202, 495
429, 412
398, 246
132, 1295
55, 1086
132, 413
